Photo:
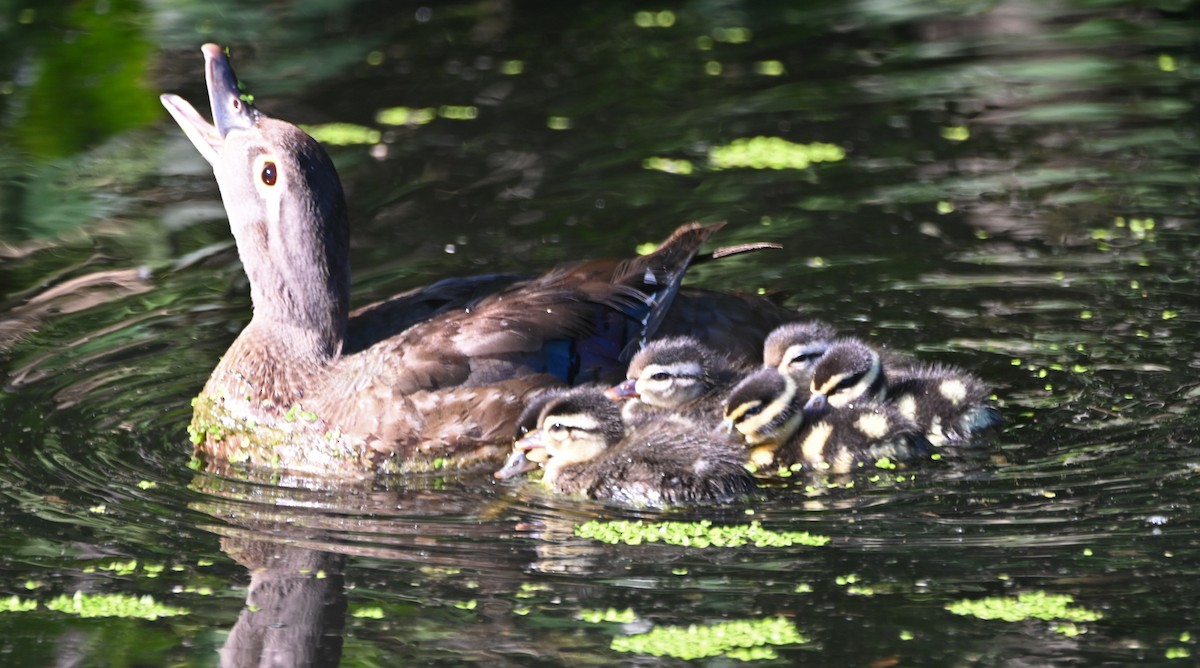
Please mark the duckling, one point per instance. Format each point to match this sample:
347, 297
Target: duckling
438, 374
795, 347
948, 403
588, 451
677, 375
766, 409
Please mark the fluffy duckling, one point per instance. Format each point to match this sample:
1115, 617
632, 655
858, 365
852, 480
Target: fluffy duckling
948, 403
795, 347
587, 451
766, 409
677, 375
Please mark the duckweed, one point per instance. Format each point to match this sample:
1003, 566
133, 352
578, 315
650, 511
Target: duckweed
625, 616
668, 165
368, 612
731, 639
16, 604
342, 134
772, 153
113, 605
405, 116
695, 534
1029, 605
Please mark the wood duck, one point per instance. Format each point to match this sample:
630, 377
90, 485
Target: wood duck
677, 375
432, 377
767, 410
948, 403
795, 347
585, 449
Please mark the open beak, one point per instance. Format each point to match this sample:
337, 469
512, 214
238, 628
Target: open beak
230, 109
516, 464
528, 451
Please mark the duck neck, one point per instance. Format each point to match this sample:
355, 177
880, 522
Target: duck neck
299, 271
306, 301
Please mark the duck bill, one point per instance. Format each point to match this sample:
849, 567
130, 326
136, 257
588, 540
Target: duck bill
203, 135
626, 389
229, 109
816, 406
516, 464
528, 451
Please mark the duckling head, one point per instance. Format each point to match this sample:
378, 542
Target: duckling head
795, 348
849, 371
668, 373
573, 427
764, 408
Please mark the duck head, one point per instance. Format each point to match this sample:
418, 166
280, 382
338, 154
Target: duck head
795, 348
668, 373
573, 427
285, 205
764, 408
849, 371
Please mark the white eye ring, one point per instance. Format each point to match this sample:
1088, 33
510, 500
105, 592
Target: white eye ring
266, 172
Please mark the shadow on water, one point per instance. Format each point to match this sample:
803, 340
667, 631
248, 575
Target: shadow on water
1017, 195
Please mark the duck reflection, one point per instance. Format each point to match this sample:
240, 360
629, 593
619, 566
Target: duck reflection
295, 605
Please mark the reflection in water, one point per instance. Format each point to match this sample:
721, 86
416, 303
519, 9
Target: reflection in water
295, 606
1017, 197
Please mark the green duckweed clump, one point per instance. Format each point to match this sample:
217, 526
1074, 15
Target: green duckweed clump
735, 639
772, 153
1029, 605
113, 605
17, 604
695, 534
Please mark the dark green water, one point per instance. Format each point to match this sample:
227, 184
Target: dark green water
1019, 195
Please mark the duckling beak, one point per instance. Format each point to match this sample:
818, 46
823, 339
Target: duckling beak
522, 458
230, 111
816, 405
626, 389
516, 464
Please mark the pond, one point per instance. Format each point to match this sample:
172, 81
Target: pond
1006, 186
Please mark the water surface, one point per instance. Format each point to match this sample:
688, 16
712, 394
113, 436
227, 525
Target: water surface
1018, 195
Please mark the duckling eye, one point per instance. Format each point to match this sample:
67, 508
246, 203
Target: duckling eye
660, 376
848, 381
753, 410
557, 427
269, 174
804, 358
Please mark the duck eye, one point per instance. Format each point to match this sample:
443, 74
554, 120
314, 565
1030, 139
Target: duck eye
660, 376
753, 410
269, 174
849, 381
557, 427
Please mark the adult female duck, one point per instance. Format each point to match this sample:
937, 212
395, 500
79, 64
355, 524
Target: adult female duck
434, 376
